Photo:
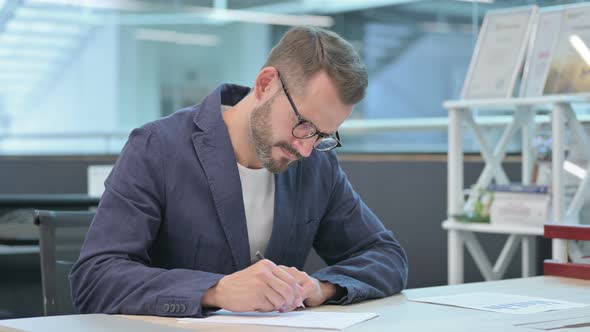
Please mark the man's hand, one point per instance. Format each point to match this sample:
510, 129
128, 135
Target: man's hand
315, 292
260, 287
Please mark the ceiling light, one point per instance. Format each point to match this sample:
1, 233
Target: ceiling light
265, 18
176, 37
581, 48
43, 27
480, 1
96, 4
46, 41
71, 17
31, 52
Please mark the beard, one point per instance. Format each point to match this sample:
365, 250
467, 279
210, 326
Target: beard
261, 136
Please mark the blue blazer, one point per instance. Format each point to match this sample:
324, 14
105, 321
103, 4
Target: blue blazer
171, 222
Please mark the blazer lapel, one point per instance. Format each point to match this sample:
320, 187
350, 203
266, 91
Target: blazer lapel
284, 213
217, 158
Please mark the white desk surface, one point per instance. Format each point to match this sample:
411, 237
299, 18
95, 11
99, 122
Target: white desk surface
398, 314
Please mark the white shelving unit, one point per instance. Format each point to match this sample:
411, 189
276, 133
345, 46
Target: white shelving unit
462, 234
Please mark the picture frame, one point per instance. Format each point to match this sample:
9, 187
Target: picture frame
569, 72
499, 53
544, 38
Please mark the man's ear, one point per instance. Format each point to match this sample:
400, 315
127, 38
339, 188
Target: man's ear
265, 84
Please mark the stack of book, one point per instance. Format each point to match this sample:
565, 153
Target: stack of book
520, 204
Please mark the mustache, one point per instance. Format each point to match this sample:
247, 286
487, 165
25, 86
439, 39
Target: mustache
289, 149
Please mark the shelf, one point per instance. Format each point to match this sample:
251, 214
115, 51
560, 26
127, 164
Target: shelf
495, 103
569, 232
490, 228
523, 110
569, 270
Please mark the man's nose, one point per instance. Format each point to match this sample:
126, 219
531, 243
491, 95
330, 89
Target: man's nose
304, 146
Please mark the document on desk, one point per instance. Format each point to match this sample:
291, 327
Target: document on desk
300, 319
556, 320
504, 303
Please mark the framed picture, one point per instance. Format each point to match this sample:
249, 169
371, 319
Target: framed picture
544, 38
569, 72
499, 53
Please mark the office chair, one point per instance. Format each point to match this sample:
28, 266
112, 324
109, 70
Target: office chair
61, 237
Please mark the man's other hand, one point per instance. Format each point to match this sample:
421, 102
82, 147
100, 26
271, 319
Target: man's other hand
315, 292
261, 287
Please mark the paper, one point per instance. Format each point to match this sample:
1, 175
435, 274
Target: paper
301, 319
561, 324
96, 174
548, 316
504, 303
551, 320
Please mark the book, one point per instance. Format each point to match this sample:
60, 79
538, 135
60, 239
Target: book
519, 188
524, 208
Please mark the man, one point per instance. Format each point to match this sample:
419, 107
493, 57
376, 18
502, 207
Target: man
195, 195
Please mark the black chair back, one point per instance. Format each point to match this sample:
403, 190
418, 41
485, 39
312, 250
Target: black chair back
61, 237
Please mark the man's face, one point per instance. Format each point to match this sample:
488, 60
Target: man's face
272, 122
262, 136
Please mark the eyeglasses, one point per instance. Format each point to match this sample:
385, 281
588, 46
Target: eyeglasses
305, 129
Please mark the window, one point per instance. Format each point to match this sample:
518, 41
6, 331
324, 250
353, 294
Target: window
77, 76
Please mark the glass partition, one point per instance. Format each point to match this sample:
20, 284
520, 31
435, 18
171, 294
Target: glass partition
76, 76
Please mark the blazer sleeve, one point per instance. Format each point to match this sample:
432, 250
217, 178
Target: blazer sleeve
113, 273
362, 256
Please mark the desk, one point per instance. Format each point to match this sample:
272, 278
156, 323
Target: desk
398, 314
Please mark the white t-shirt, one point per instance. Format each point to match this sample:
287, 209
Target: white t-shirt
258, 190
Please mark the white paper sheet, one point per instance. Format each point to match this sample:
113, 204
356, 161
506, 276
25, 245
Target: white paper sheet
504, 303
302, 319
561, 324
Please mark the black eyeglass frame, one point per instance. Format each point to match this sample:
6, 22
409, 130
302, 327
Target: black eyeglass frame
301, 120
